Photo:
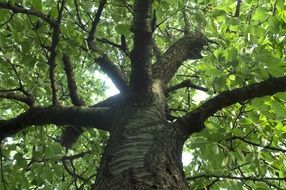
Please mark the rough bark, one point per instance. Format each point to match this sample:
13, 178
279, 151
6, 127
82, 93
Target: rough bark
143, 152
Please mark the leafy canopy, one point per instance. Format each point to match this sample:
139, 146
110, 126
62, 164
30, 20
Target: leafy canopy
246, 139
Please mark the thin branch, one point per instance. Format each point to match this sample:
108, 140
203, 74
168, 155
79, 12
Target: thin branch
75, 156
17, 74
10, 90
249, 178
188, 47
193, 122
259, 145
28, 98
75, 99
82, 26
71, 173
140, 78
106, 41
113, 72
4, 182
91, 34
77, 116
185, 84
19, 9
12, 95
122, 46
10, 18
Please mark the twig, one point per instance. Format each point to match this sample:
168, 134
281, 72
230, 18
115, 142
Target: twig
75, 156
82, 26
10, 18
256, 144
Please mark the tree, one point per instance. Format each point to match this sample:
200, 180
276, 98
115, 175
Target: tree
57, 132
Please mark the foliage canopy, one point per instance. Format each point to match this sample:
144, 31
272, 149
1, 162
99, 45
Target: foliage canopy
241, 146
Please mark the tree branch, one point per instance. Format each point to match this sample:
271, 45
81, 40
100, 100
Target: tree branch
237, 9
19, 9
12, 95
71, 173
259, 145
77, 116
185, 84
249, 178
122, 46
75, 156
75, 99
53, 54
140, 78
156, 51
80, 23
91, 34
188, 47
71, 133
187, 25
113, 72
193, 122
111, 101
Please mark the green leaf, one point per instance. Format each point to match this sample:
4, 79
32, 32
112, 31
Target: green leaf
220, 83
274, 24
218, 12
278, 108
123, 29
260, 14
36, 4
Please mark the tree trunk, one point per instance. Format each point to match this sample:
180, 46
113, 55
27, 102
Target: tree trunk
143, 152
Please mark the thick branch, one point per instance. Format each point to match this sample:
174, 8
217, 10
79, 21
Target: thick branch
113, 72
53, 54
185, 84
12, 95
140, 79
91, 34
111, 101
19, 9
193, 122
237, 9
76, 100
78, 116
189, 47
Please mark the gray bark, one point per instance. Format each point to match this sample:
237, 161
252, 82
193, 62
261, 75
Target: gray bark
143, 152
